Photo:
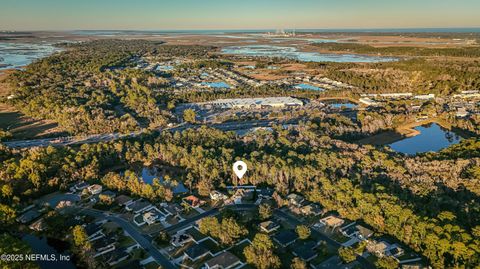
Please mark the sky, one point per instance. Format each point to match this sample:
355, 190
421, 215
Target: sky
236, 14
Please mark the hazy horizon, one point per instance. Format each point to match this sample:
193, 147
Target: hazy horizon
168, 15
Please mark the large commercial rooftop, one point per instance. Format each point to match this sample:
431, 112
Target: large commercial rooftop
253, 102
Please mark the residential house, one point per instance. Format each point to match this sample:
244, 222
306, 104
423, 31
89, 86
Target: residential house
150, 217
95, 189
285, 238
63, 204
395, 251
116, 256
226, 260
384, 248
295, 199
196, 252
109, 194
332, 221
269, 226
173, 209
81, 186
94, 231
29, 216
312, 210
138, 206
104, 245
123, 200
193, 201
180, 239
39, 225
306, 251
217, 196
353, 230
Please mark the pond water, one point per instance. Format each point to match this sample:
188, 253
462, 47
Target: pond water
149, 173
42, 245
219, 84
16, 55
304, 86
164, 68
432, 137
340, 105
293, 53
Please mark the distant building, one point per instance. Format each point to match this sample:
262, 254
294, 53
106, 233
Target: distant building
461, 112
252, 103
367, 101
425, 96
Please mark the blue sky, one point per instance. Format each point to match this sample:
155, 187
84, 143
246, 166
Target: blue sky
235, 14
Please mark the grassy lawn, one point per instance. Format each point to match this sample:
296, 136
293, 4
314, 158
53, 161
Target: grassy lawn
126, 241
189, 213
139, 254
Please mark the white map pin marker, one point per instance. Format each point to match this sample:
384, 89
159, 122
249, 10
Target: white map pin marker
240, 168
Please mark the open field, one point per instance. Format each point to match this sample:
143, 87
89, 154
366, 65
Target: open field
19, 125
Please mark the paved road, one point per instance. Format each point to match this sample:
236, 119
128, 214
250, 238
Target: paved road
145, 242
210, 212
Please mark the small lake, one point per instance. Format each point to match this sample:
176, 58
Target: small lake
42, 245
432, 137
304, 86
149, 173
293, 53
16, 55
345, 105
164, 68
219, 84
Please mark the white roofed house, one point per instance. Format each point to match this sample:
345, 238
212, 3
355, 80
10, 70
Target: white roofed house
295, 199
217, 196
150, 217
332, 221
95, 189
